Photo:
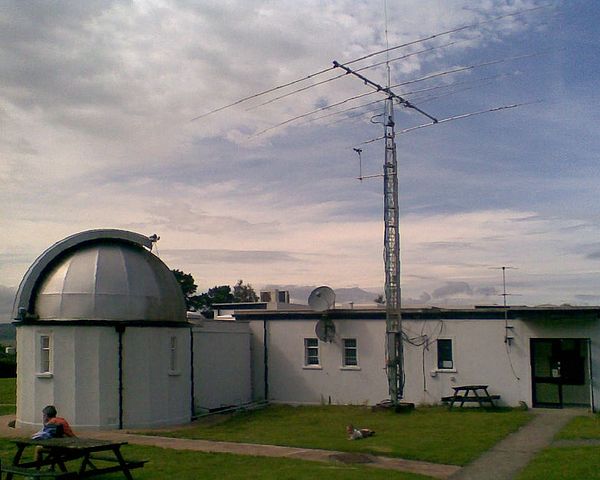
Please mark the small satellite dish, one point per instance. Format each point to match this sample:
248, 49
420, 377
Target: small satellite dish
321, 299
325, 330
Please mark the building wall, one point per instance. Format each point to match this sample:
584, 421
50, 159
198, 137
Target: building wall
222, 364
290, 381
480, 355
83, 383
153, 394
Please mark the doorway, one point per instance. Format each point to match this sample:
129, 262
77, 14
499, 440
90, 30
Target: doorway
560, 372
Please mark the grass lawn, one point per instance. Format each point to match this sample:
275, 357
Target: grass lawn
431, 434
8, 387
569, 463
581, 428
565, 463
186, 465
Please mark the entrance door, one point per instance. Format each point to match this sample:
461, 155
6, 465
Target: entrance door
558, 372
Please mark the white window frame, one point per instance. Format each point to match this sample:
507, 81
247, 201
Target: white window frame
173, 356
346, 349
453, 360
45, 352
312, 344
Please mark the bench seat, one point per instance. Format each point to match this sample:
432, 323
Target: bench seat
34, 473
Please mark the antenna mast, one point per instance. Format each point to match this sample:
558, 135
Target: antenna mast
393, 324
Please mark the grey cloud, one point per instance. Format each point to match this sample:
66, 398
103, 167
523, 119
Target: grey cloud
422, 299
201, 256
7, 298
452, 288
593, 255
486, 291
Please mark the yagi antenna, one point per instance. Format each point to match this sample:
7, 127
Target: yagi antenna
359, 151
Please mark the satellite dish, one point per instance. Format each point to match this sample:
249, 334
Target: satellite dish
321, 299
325, 330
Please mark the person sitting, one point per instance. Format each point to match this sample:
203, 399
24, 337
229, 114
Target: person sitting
54, 427
358, 433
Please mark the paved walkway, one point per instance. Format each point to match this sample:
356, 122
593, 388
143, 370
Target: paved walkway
502, 462
509, 456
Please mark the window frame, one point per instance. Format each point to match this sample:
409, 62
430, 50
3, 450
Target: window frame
311, 343
444, 358
349, 348
45, 352
173, 355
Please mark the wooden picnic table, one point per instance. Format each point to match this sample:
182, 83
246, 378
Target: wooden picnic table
479, 394
81, 454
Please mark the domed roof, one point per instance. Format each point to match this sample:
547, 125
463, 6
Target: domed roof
106, 278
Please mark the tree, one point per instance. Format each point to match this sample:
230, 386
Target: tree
217, 294
188, 288
379, 300
244, 293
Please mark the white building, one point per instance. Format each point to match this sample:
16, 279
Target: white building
538, 356
102, 333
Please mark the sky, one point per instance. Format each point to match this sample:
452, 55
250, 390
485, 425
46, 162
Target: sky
98, 129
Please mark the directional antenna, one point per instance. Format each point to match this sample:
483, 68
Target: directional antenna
321, 299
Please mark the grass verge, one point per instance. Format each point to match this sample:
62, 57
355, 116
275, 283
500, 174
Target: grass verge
431, 434
587, 428
565, 463
187, 465
8, 388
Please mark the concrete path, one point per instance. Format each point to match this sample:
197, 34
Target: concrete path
511, 455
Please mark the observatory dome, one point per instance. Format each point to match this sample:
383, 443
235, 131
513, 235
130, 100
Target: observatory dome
106, 279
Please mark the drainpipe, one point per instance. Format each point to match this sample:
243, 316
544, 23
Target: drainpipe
266, 358
193, 409
120, 330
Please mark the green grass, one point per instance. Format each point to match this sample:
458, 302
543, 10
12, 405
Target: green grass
430, 434
8, 396
581, 428
187, 465
566, 463
569, 463
8, 388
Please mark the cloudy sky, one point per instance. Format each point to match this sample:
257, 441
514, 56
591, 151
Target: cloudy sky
96, 131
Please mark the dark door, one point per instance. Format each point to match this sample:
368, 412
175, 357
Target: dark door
557, 367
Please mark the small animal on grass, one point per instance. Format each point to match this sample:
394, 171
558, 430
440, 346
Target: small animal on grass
358, 433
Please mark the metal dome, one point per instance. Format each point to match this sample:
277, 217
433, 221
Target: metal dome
102, 277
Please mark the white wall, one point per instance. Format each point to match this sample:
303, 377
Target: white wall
83, 384
153, 395
290, 381
481, 356
222, 364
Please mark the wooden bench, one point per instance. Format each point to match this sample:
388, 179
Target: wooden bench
131, 464
479, 395
467, 399
34, 473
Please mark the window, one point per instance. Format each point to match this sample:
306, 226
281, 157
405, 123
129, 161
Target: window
45, 354
350, 353
173, 355
444, 354
311, 351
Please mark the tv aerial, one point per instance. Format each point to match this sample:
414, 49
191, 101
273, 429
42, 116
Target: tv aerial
322, 299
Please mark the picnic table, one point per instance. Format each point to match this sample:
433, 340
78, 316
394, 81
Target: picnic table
80, 454
479, 394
